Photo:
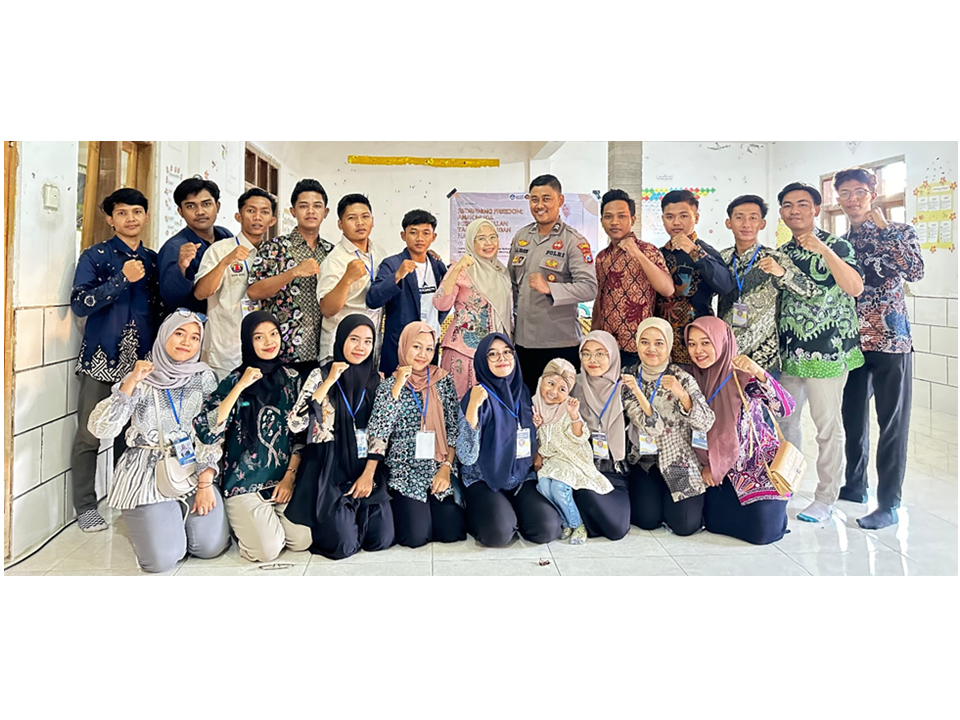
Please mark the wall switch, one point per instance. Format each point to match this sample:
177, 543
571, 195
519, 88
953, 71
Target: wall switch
51, 197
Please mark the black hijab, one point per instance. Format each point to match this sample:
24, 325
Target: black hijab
358, 385
265, 391
498, 461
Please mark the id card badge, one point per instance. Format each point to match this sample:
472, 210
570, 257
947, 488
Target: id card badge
647, 445
601, 449
183, 449
699, 440
426, 444
361, 444
741, 314
248, 306
523, 442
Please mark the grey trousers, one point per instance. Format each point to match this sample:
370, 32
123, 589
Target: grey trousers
826, 398
86, 447
161, 537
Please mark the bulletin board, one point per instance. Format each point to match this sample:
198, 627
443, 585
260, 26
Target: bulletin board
936, 215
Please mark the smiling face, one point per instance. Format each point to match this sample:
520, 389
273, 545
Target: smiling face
421, 352
856, 199
545, 204
594, 358
199, 211
486, 243
746, 222
500, 358
184, 343
128, 221
798, 211
680, 218
256, 217
652, 348
310, 211
553, 390
358, 345
266, 341
702, 351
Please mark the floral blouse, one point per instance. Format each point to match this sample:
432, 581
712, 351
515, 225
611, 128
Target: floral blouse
304, 415
134, 478
392, 431
243, 471
473, 317
672, 427
568, 458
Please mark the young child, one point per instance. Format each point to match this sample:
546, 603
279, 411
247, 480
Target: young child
564, 460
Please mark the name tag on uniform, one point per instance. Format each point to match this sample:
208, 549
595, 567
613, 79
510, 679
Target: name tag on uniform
741, 314
647, 445
523, 442
699, 440
601, 449
361, 444
426, 443
248, 306
183, 449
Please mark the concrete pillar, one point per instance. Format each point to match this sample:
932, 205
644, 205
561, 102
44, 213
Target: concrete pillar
625, 171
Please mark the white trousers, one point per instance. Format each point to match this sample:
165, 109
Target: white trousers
262, 529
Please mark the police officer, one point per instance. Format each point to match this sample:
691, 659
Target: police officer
551, 266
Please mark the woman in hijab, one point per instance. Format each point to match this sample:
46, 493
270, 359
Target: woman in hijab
248, 414
740, 500
496, 447
413, 429
601, 394
168, 390
478, 288
334, 408
665, 482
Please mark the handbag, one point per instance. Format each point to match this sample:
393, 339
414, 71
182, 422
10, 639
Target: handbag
788, 465
173, 479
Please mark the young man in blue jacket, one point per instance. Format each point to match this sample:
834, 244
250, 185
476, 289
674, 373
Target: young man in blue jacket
406, 283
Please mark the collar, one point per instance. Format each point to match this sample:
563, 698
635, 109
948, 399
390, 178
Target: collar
121, 247
749, 251
219, 233
555, 230
297, 237
246, 242
351, 248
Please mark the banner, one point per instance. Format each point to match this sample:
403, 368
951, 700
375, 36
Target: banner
511, 211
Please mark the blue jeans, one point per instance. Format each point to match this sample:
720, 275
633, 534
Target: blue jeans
562, 498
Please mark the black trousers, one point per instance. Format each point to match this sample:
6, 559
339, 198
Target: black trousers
418, 523
760, 523
605, 515
86, 447
886, 377
651, 504
494, 516
354, 527
534, 360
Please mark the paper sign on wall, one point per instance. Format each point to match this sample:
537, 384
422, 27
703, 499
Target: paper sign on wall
936, 215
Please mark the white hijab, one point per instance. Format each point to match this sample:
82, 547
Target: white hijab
491, 279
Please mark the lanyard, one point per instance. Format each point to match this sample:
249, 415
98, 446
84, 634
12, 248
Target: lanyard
176, 416
422, 407
719, 388
750, 265
244, 262
515, 413
370, 267
654, 393
615, 387
353, 411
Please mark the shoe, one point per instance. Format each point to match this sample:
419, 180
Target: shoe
91, 521
579, 536
851, 495
566, 533
816, 512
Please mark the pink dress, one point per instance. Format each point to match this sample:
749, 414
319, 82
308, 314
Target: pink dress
472, 321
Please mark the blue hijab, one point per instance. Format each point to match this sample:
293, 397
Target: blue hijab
498, 462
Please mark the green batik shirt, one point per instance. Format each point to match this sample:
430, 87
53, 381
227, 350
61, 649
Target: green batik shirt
820, 335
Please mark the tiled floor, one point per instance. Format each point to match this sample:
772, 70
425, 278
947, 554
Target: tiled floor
924, 542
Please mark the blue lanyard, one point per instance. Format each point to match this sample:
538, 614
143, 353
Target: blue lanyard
655, 387
615, 387
353, 411
422, 407
370, 267
750, 265
719, 389
244, 262
515, 413
175, 415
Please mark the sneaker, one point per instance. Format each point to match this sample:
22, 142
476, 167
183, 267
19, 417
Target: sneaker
816, 512
565, 533
91, 521
579, 536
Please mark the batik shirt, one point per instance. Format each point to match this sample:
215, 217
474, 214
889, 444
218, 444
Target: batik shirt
625, 297
295, 305
887, 258
762, 294
820, 336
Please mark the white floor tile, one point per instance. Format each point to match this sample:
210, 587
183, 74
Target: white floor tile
606, 566
778, 564
470, 549
857, 563
637, 543
707, 543
415, 567
396, 554
476, 566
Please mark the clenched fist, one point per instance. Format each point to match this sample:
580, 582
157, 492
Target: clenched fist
307, 268
406, 267
141, 370
355, 270
188, 251
134, 270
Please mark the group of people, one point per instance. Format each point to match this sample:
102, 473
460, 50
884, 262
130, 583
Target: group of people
293, 393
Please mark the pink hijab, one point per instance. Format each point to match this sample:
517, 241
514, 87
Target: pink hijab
418, 380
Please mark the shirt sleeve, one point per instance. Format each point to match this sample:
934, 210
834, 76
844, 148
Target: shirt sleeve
700, 416
714, 270
89, 294
899, 253
210, 260
794, 280
583, 285
265, 265
385, 287
468, 442
112, 413
451, 409
175, 288
205, 423
330, 271
444, 302
382, 419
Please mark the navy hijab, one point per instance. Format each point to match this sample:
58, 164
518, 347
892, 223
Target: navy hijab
498, 462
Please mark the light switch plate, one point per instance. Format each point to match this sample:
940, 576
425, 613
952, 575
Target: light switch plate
51, 197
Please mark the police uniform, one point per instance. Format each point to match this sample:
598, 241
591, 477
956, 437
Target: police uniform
546, 325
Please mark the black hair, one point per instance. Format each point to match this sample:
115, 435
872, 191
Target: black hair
546, 180
351, 199
814, 193
679, 196
747, 200
257, 192
192, 186
419, 217
614, 195
859, 174
123, 196
307, 185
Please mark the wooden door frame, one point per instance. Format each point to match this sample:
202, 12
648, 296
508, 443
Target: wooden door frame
9, 199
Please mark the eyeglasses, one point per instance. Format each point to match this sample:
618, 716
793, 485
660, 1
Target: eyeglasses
598, 355
183, 312
504, 355
859, 194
